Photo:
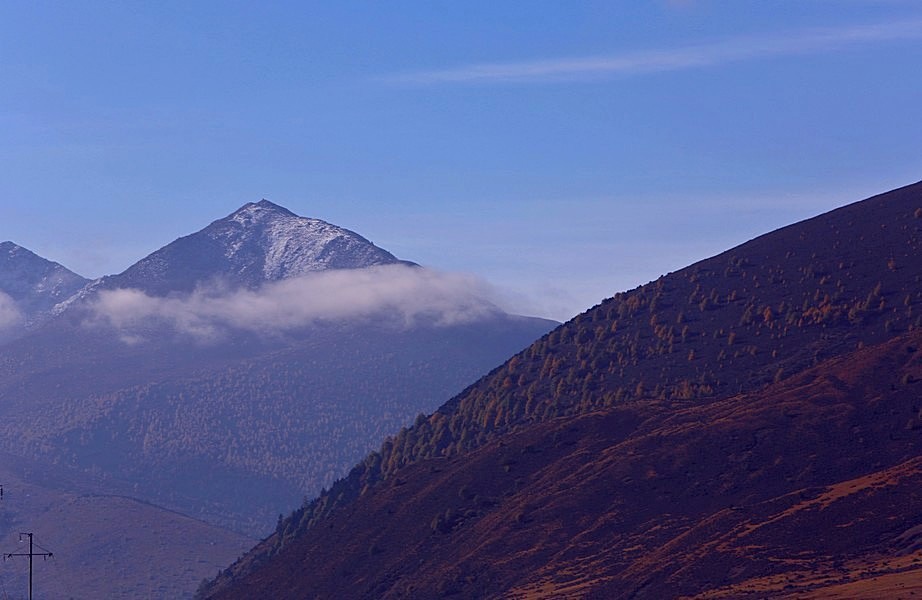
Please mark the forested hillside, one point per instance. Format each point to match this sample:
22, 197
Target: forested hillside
810, 485
753, 316
239, 441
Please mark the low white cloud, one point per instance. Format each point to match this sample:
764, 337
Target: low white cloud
672, 59
10, 315
397, 294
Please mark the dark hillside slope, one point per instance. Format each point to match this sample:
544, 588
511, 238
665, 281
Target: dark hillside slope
811, 483
731, 324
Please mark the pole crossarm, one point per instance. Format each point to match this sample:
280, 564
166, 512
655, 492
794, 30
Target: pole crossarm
31, 554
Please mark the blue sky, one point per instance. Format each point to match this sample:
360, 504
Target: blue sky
563, 151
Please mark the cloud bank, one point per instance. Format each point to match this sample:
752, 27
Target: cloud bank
688, 57
396, 294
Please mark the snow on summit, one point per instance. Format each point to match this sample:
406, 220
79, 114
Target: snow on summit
293, 245
259, 243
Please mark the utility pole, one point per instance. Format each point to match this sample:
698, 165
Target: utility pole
31, 554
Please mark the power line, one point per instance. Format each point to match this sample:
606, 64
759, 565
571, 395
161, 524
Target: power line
31, 554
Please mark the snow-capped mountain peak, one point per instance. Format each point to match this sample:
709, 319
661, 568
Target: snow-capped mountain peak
255, 212
258, 243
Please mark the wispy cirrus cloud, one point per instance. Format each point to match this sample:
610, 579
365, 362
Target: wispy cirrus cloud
673, 59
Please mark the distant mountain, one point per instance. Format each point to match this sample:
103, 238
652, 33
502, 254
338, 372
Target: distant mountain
236, 427
33, 284
633, 451
259, 243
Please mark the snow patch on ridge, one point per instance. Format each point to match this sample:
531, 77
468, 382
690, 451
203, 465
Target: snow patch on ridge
291, 245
